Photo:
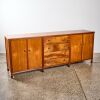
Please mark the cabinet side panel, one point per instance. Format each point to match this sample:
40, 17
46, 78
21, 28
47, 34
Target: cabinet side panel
7, 47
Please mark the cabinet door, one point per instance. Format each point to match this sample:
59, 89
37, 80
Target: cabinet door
88, 40
18, 55
76, 48
34, 53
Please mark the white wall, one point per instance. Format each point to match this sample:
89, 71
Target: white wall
25, 16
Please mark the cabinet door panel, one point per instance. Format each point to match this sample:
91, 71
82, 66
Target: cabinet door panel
88, 38
76, 48
87, 52
34, 53
19, 55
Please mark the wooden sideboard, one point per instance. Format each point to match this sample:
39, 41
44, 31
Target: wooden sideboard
26, 52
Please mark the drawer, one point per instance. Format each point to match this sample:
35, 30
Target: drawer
58, 54
53, 61
56, 39
56, 47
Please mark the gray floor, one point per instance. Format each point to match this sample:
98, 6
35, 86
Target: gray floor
81, 81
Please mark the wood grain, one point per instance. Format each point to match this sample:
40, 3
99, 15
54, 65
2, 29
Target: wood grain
34, 53
19, 55
56, 39
76, 48
88, 40
56, 58
7, 54
56, 51
56, 47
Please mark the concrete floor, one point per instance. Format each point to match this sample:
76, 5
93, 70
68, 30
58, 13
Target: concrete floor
81, 81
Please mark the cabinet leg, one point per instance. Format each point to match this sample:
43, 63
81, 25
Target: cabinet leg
7, 69
68, 65
12, 76
91, 60
42, 70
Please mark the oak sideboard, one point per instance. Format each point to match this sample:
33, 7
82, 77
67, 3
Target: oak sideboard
37, 51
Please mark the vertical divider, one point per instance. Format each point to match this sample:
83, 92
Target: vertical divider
27, 54
42, 54
6, 47
69, 50
82, 48
92, 48
10, 50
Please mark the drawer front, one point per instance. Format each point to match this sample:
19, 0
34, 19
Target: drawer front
55, 47
56, 39
53, 61
57, 54
56, 58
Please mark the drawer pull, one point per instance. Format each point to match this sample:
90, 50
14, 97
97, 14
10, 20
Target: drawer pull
24, 50
63, 39
64, 59
68, 41
29, 50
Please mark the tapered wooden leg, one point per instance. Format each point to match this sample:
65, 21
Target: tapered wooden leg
68, 65
7, 69
42, 70
12, 76
91, 60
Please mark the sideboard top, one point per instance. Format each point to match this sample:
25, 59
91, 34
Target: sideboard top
44, 34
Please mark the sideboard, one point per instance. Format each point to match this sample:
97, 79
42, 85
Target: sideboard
38, 51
